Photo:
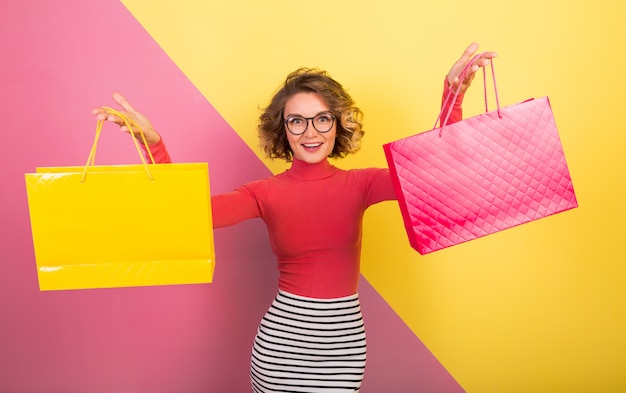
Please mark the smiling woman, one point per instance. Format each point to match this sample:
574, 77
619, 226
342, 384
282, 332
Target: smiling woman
312, 338
309, 144
302, 88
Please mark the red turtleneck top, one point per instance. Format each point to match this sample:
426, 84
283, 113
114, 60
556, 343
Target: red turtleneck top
313, 215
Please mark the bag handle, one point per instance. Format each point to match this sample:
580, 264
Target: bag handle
131, 124
458, 90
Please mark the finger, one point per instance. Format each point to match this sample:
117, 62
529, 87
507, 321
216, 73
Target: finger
123, 102
114, 119
471, 71
485, 58
469, 52
100, 113
470, 75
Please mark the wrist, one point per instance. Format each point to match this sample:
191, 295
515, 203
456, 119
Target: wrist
152, 137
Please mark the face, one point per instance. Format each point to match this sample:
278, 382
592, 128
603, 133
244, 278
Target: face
312, 146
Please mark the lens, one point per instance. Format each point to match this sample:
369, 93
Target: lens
323, 122
297, 125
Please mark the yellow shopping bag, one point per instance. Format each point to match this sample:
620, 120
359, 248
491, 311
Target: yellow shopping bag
121, 225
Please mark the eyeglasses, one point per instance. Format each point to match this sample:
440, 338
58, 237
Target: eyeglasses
322, 122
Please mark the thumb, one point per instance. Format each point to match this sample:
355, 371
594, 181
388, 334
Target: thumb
469, 52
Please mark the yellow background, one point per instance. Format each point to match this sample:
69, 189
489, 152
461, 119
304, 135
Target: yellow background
538, 308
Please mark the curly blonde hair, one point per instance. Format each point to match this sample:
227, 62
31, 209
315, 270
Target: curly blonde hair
271, 128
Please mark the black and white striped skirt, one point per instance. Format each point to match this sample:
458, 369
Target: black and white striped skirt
309, 345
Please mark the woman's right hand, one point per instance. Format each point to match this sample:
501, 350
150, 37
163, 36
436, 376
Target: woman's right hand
149, 133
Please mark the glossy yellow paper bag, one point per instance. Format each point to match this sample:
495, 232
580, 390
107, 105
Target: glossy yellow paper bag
121, 226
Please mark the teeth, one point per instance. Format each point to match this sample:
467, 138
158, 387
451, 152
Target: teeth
312, 145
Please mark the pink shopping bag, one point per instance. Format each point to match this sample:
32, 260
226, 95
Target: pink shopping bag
480, 175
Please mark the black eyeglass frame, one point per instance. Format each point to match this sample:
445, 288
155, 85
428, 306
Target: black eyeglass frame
307, 119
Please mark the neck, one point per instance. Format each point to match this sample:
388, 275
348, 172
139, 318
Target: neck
305, 171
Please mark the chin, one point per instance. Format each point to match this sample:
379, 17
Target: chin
312, 160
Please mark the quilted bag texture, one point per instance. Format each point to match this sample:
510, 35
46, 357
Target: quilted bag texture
480, 175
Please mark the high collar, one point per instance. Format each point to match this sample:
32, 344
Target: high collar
305, 171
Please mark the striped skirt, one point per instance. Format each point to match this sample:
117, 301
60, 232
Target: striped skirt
309, 345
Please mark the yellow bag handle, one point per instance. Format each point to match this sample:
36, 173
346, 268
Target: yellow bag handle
130, 123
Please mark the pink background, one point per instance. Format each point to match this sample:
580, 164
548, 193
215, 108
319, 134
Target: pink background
59, 60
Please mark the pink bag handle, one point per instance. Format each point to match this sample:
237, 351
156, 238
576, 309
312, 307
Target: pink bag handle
458, 89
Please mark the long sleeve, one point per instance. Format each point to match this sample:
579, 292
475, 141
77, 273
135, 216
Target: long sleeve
378, 185
159, 152
241, 204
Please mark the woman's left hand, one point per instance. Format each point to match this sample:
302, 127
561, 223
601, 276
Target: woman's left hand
457, 68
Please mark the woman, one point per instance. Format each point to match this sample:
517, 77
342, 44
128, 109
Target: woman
312, 338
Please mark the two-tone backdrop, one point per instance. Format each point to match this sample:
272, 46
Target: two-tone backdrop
538, 308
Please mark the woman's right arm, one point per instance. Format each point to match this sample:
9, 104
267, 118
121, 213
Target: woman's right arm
235, 206
159, 152
228, 209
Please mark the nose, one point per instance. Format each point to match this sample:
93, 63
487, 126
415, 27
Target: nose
310, 129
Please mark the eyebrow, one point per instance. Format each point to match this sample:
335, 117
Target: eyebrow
299, 115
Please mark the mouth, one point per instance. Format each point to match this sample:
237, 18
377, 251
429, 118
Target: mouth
311, 146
